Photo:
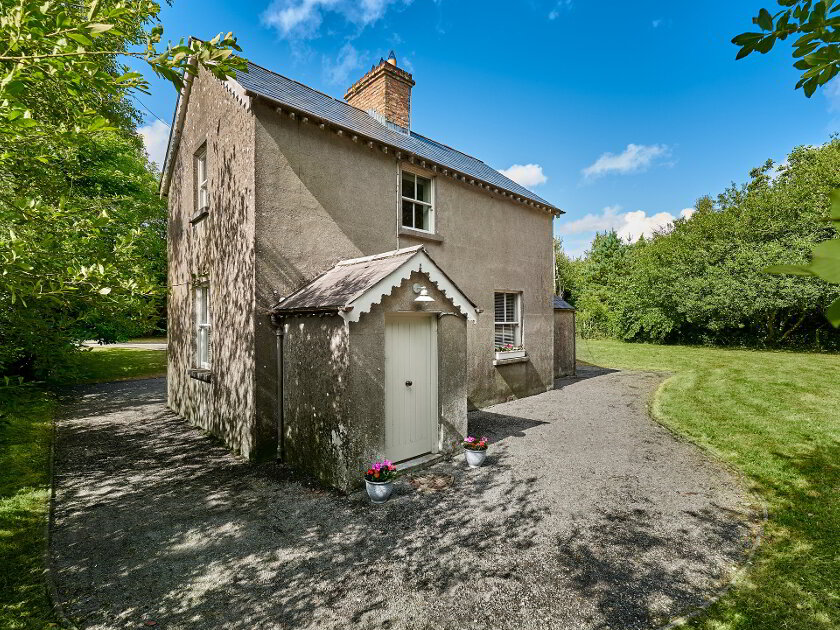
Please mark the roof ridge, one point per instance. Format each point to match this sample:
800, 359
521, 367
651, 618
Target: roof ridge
391, 254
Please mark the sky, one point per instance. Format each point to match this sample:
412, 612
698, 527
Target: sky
621, 113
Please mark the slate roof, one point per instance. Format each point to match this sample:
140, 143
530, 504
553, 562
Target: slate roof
297, 96
560, 304
337, 287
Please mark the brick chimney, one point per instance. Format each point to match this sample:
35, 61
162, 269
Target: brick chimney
386, 89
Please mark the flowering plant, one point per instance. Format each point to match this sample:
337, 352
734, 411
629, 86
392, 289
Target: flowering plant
475, 444
508, 347
381, 471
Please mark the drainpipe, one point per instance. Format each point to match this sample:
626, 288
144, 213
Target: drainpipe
279, 331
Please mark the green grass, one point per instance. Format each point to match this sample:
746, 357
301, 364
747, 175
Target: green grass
26, 416
775, 416
118, 364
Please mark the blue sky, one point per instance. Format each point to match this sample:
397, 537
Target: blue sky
621, 113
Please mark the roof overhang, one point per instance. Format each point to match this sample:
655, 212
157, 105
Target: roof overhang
354, 306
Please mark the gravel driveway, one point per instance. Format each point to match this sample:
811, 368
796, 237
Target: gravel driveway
589, 515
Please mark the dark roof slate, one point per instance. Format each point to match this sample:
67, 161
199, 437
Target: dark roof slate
297, 96
560, 304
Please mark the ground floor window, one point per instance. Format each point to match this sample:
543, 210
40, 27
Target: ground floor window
508, 309
201, 294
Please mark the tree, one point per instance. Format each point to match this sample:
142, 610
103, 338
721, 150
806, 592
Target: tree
78, 213
565, 273
817, 49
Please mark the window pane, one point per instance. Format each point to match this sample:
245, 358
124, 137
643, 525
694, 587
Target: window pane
408, 186
202, 197
424, 189
407, 213
419, 220
500, 307
505, 334
510, 307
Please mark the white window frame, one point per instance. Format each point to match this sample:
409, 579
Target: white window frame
431, 205
516, 322
201, 180
203, 329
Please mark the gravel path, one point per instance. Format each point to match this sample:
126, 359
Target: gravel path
588, 515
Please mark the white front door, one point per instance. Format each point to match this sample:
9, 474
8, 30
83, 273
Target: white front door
411, 386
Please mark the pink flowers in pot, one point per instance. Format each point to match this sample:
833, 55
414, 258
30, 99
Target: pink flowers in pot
475, 444
381, 471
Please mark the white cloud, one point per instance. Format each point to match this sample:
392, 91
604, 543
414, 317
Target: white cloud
155, 138
561, 4
301, 19
629, 225
527, 175
338, 70
656, 23
635, 158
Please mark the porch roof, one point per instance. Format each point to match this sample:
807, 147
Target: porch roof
353, 286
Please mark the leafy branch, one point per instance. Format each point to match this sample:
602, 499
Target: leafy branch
817, 48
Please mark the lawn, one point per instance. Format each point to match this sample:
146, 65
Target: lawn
775, 416
26, 415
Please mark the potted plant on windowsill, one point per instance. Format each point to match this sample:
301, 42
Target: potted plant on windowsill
509, 351
475, 450
379, 481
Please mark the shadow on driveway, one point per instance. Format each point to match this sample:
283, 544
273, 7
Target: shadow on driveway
588, 516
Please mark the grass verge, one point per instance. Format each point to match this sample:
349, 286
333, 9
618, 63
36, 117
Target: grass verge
774, 416
26, 416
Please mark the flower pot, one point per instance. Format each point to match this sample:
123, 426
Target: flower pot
510, 354
475, 458
379, 491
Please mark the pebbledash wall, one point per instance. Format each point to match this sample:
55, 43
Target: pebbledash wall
290, 200
219, 249
334, 420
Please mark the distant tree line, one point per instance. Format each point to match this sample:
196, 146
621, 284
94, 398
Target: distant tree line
704, 279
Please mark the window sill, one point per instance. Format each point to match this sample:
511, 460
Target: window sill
200, 216
428, 236
201, 374
507, 358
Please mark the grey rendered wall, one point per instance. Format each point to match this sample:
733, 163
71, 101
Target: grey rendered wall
564, 343
322, 198
319, 416
334, 414
221, 249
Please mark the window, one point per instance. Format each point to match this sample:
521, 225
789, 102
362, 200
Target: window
508, 320
201, 195
417, 202
202, 326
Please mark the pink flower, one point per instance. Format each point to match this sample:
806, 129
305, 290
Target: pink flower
469, 439
387, 463
377, 466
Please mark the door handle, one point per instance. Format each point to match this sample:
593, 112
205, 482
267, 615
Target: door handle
408, 383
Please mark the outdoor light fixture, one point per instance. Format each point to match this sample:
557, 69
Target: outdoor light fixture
423, 293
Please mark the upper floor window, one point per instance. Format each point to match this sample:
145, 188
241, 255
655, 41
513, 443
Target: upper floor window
201, 294
417, 202
508, 320
202, 195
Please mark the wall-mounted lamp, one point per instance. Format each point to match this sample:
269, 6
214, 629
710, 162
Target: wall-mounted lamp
423, 293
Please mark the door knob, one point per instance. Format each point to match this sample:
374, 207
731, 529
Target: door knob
408, 383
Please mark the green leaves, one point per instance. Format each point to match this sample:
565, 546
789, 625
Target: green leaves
825, 261
818, 48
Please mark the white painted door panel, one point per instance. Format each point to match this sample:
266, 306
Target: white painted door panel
411, 423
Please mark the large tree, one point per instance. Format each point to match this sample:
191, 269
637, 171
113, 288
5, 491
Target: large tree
81, 230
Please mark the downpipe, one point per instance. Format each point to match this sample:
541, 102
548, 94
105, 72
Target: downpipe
279, 333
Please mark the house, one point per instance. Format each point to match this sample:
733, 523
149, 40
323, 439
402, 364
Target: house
339, 283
